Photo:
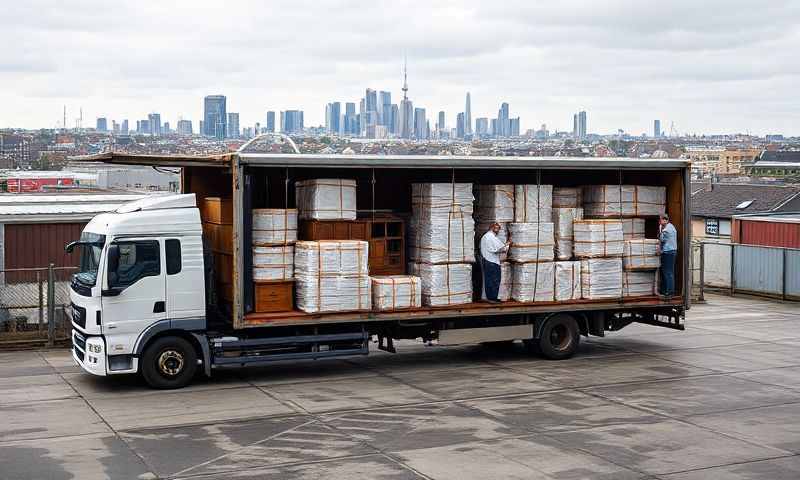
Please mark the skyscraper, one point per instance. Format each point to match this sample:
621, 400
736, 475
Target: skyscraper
513, 127
102, 124
460, 125
575, 125
350, 119
420, 124
503, 122
292, 121
481, 127
440, 123
184, 127
468, 117
270, 121
406, 108
657, 128
165, 128
395, 127
233, 125
335, 117
155, 123
215, 116
384, 108
371, 99
124, 128
582, 124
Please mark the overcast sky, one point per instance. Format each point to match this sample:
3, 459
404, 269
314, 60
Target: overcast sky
710, 66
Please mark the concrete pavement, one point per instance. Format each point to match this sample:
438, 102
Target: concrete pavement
721, 400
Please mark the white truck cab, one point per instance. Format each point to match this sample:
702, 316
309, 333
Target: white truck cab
141, 276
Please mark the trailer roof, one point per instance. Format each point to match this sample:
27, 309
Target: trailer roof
386, 161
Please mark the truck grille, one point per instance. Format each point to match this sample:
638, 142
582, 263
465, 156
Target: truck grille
78, 345
79, 316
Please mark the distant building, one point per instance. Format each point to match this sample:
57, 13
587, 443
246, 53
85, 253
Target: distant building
420, 124
270, 121
385, 109
712, 161
154, 120
184, 127
493, 129
406, 118
460, 125
292, 121
440, 123
124, 128
468, 117
657, 128
15, 151
371, 99
144, 127
575, 125
201, 127
775, 164
503, 122
350, 119
115, 127
395, 128
102, 124
335, 117
215, 115
582, 124
165, 129
513, 127
233, 125
481, 127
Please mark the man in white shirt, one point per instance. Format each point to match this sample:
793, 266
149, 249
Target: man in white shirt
491, 247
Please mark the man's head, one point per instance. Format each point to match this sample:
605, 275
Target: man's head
663, 219
495, 228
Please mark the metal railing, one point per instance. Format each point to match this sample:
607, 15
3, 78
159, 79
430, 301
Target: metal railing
34, 305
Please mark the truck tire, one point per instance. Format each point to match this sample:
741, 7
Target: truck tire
169, 362
559, 338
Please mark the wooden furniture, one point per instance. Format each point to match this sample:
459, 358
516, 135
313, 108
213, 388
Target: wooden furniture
216, 215
273, 296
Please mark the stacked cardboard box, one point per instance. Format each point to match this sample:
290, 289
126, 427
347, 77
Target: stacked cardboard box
601, 278
332, 276
567, 281
641, 255
640, 283
533, 203
567, 197
604, 201
597, 238
396, 292
531, 242
563, 226
326, 199
533, 282
274, 226
632, 228
445, 284
273, 263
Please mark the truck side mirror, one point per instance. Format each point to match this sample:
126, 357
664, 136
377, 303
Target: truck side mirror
70, 247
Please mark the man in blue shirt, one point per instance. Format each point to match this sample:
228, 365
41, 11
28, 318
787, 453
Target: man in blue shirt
668, 238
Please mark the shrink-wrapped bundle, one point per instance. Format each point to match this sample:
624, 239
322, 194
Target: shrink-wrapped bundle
531, 242
601, 278
640, 283
641, 254
563, 220
504, 292
533, 203
597, 238
326, 199
443, 240
502, 235
568, 281
431, 201
273, 263
623, 200
449, 284
567, 197
331, 257
333, 293
533, 282
394, 292
632, 228
274, 226
495, 203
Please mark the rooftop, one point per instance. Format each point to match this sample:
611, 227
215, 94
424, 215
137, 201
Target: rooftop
724, 200
59, 207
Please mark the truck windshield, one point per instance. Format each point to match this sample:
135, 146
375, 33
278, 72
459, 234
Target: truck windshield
91, 247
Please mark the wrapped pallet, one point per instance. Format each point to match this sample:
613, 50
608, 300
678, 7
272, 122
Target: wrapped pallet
494, 203
567, 197
449, 284
563, 219
640, 283
431, 201
443, 240
531, 242
396, 292
504, 292
641, 255
601, 278
333, 293
480, 231
597, 238
274, 226
326, 199
533, 203
533, 282
604, 201
632, 228
273, 263
568, 281
331, 257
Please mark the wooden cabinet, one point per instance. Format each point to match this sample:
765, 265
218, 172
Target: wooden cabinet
273, 296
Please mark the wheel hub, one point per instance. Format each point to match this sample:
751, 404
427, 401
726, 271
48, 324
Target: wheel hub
170, 362
560, 338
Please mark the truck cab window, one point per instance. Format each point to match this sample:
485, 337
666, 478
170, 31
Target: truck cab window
137, 260
172, 249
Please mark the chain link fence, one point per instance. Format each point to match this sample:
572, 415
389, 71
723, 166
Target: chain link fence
34, 305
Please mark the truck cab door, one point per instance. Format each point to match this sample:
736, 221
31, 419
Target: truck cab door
134, 295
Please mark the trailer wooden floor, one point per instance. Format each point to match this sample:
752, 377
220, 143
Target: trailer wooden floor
474, 309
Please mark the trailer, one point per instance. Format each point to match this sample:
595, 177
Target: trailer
171, 320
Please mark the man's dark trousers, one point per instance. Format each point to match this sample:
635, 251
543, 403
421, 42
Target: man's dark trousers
491, 279
668, 273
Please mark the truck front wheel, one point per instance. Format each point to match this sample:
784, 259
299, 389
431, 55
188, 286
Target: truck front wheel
169, 362
559, 338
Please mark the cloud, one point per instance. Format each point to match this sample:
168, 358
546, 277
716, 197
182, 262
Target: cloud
712, 66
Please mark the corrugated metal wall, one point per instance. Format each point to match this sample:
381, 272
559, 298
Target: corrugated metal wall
769, 234
38, 245
793, 273
759, 269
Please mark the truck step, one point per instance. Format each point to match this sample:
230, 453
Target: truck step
231, 351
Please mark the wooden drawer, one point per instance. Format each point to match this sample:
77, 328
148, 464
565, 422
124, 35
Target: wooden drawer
217, 210
273, 296
333, 230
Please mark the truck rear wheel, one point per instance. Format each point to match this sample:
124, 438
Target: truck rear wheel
559, 338
169, 362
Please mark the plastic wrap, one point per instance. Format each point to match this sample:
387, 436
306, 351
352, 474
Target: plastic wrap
335, 293
640, 284
563, 219
326, 199
567, 281
394, 292
601, 278
625, 200
495, 203
443, 241
641, 255
533, 203
597, 238
504, 292
533, 282
449, 284
432, 201
567, 197
273, 263
331, 257
480, 231
632, 228
274, 226
531, 242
